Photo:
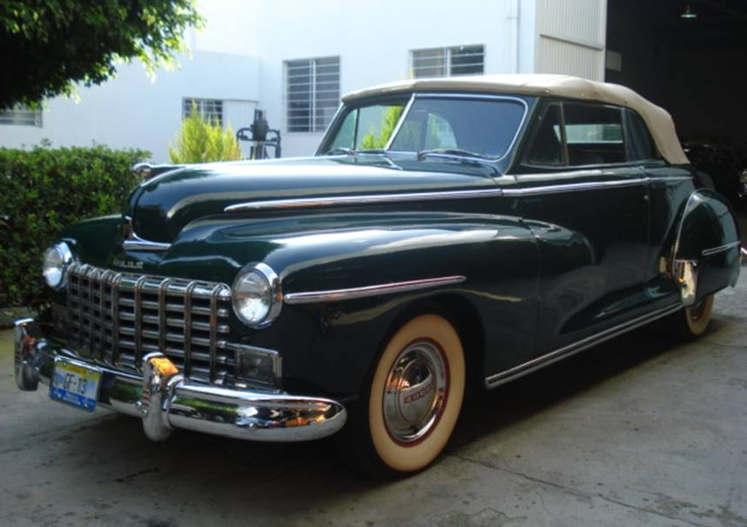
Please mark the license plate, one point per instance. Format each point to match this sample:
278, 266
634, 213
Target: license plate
74, 383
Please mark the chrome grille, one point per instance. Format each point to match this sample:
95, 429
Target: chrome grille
119, 317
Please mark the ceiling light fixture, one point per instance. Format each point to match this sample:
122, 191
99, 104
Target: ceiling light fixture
688, 13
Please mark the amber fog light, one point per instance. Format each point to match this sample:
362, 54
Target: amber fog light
56, 261
256, 295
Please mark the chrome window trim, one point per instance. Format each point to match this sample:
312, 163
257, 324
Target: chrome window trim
502, 377
401, 120
352, 293
467, 95
720, 249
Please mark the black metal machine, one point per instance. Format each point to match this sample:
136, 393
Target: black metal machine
261, 136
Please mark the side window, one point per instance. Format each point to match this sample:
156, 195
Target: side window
546, 147
641, 146
594, 134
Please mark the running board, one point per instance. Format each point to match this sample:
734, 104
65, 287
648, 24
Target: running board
525, 368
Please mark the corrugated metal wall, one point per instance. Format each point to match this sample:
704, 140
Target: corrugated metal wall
571, 37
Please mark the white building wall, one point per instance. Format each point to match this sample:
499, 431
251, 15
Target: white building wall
571, 37
132, 111
239, 58
373, 40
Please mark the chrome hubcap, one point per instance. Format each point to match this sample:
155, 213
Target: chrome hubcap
415, 392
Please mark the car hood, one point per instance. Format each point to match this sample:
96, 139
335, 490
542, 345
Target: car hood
162, 206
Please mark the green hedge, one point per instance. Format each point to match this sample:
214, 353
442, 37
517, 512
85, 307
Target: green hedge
44, 190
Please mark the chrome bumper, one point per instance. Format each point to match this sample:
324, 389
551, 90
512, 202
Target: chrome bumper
165, 400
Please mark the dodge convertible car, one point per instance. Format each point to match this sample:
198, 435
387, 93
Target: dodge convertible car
448, 232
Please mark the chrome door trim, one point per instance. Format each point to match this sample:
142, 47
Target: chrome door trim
502, 377
340, 295
574, 187
329, 201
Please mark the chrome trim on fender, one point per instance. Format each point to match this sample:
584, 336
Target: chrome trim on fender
340, 295
720, 248
136, 243
329, 201
133, 242
497, 379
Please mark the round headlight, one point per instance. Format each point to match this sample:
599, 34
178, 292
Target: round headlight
257, 298
56, 261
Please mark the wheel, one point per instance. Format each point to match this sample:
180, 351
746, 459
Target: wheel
408, 412
698, 316
693, 321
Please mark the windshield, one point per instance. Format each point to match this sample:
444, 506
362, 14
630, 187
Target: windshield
486, 127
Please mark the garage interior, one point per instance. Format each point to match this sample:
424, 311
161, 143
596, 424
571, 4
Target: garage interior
688, 57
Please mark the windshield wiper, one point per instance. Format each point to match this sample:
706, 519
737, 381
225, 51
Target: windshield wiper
463, 156
341, 150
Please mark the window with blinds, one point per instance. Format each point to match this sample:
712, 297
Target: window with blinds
312, 93
211, 110
21, 115
446, 62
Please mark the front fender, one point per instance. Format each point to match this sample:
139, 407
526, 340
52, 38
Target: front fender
330, 345
706, 251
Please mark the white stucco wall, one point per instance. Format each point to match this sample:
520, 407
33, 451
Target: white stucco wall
373, 40
240, 55
134, 111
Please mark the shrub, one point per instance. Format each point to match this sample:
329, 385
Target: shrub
200, 141
43, 191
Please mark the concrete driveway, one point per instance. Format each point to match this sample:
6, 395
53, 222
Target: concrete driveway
639, 431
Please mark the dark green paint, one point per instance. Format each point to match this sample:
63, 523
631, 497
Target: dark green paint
542, 271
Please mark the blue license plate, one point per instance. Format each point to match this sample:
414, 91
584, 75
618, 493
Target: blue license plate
75, 383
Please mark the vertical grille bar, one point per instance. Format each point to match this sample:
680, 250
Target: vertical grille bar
115, 316
188, 327
137, 295
213, 329
162, 326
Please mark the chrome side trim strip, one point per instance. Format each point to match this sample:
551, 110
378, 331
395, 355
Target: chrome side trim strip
329, 201
136, 243
497, 379
720, 248
363, 199
339, 295
573, 187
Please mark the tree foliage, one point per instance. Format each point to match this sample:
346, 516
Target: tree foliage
49, 45
200, 141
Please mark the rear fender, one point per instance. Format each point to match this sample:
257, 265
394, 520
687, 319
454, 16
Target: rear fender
706, 253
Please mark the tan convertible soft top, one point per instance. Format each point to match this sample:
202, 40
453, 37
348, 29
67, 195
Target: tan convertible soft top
658, 120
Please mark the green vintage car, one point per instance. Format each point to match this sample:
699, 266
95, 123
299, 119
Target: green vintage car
448, 232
